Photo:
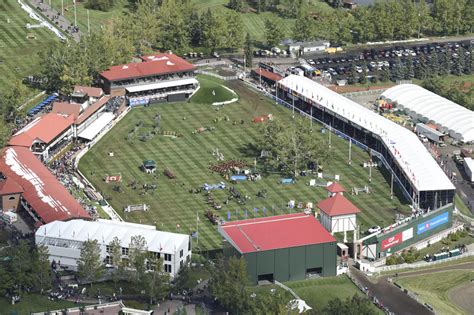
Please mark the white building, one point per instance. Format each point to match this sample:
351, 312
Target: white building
64, 241
308, 47
337, 214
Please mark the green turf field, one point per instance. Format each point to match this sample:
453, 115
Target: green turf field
18, 55
434, 288
318, 292
190, 156
208, 86
32, 303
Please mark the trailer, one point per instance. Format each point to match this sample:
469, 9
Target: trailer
454, 252
440, 256
430, 133
469, 168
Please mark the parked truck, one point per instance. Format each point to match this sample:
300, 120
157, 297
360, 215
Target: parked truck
469, 169
430, 133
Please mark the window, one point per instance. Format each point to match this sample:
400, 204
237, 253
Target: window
125, 251
168, 268
180, 253
181, 264
108, 260
167, 257
12, 198
108, 249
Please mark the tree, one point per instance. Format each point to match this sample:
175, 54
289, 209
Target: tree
352, 75
363, 76
213, 30
11, 100
248, 51
21, 265
445, 63
273, 32
434, 63
235, 36
409, 70
137, 254
156, 280
228, 282
115, 253
384, 75
398, 71
7, 279
42, 268
172, 26
303, 29
194, 28
293, 147
89, 264
236, 5
103, 5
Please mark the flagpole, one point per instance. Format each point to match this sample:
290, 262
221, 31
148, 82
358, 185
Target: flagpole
350, 151
75, 14
62, 7
197, 228
88, 23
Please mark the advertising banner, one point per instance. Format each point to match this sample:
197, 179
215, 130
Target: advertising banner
391, 241
433, 222
407, 234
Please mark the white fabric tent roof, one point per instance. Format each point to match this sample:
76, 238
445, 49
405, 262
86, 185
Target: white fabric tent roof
94, 129
161, 85
412, 156
427, 106
104, 232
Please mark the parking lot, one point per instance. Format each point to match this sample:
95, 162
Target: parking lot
339, 66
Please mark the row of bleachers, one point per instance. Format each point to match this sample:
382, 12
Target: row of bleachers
35, 110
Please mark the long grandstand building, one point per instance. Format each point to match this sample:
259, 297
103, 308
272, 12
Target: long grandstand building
420, 178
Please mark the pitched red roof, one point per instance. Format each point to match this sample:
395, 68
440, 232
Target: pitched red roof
337, 205
281, 231
269, 75
43, 192
91, 110
335, 187
45, 128
66, 108
8, 187
151, 65
89, 91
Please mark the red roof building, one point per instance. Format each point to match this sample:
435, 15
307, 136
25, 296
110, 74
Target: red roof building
276, 232
43, 129
152, 65
337, 205
47, 199
8, 187
65, 108
91, 110
269, 77
82, 91
338, 214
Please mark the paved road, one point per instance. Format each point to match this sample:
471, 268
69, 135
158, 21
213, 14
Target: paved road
394, 298
60, 21
390, 296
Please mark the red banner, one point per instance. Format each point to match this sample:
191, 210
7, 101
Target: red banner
392, 241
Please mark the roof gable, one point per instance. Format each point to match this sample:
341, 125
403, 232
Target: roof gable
337, 205
8, 187
335, 187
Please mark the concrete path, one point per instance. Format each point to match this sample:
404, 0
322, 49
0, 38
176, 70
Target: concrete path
56, 18
171, 306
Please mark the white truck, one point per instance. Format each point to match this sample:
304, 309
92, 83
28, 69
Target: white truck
469, 168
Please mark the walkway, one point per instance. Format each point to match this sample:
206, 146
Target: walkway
56, 18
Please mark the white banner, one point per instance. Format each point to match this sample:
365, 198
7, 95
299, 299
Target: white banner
407, 234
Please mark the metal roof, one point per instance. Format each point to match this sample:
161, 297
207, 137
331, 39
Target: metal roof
104, 231
427, 106
97, 126
411, 155
281, 231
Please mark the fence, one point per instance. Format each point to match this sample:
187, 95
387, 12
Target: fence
338, 133
365, 92
215, 75
422, 264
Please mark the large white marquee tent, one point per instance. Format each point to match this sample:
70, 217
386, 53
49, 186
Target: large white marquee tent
426, 106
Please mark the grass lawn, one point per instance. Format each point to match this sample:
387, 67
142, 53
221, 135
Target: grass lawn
436, 247
190, 156
433, 288
18, 55
461, 206
318, 292
32, 303
205, 93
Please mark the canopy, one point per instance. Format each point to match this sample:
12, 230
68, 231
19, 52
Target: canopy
161, 85
97, 126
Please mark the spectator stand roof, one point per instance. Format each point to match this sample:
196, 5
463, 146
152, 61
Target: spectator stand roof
106, 230
66, 108
97, 126
163, 63
276, 232
43, 192
89, 111
45, 128
162, 85
81, 91
427, 106
408, 151
272, 76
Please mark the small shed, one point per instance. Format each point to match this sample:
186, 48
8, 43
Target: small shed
149, 166
338, 214
335, 189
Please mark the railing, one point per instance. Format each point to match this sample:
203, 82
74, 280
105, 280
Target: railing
284, 287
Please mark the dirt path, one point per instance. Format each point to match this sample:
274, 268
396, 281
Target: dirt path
462, 297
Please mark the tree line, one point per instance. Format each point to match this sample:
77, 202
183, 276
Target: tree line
384, 20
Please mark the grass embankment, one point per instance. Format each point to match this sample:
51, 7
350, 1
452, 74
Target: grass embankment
434, 288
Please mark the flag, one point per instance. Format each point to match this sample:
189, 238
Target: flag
255, 210
228, 215
246, 214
